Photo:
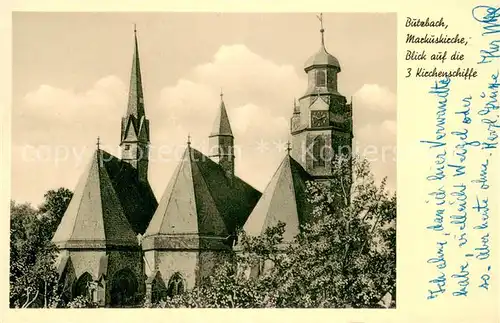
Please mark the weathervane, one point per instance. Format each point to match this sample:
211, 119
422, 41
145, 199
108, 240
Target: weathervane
221, 94
322, 30
98, 142
189, 140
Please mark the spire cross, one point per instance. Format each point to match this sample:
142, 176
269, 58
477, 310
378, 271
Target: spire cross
221, 94
189, 140
98, 143
288, 147
322, 30
135, 29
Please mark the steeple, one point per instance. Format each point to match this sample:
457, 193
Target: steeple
221, 123
322, 57
221, 140
322, 68
135, 126
135, 96
321, 124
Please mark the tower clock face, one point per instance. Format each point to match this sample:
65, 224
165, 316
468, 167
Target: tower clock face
319, 118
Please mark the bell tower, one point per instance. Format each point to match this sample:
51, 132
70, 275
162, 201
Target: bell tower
135, 127
321, 125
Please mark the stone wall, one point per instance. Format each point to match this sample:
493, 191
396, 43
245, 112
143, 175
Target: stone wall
86, 261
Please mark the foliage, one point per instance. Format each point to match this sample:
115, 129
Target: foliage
343, 257
53, 207
33, 278
82, 302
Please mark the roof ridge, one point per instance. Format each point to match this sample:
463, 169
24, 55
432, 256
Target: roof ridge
209, 191
280, 176
174, 180
265, 192
293, 187
276, 172
90, 165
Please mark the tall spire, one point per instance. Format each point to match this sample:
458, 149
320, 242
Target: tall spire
222, 127
135, 97
135, 126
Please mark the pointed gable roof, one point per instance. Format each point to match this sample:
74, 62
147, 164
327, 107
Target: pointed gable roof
199, 199
221, 127
284, 200
187, 206
94, 217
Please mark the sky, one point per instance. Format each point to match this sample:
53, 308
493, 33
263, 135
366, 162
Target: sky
71, 73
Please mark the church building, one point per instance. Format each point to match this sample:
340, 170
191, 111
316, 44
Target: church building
119, 244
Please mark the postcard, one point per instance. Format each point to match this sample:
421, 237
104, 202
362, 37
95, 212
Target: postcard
237, 161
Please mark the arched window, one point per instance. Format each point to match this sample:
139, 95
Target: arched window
319, 158
320, 77
158, 289
124, 286
175, 285
81, 287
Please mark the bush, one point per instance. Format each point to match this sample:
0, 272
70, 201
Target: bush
82, 302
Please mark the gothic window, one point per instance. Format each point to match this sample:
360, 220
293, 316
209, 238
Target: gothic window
320, 78
175, 285
124, 286
319, 158
81, 287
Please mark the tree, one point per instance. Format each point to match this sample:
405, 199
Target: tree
33, 276
53, 207
32, 257
344, 255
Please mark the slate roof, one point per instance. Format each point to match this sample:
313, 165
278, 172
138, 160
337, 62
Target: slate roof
135, 126
221, 126
137, 198
284, 199
201, 200
95, 217
322, 58
136, 96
